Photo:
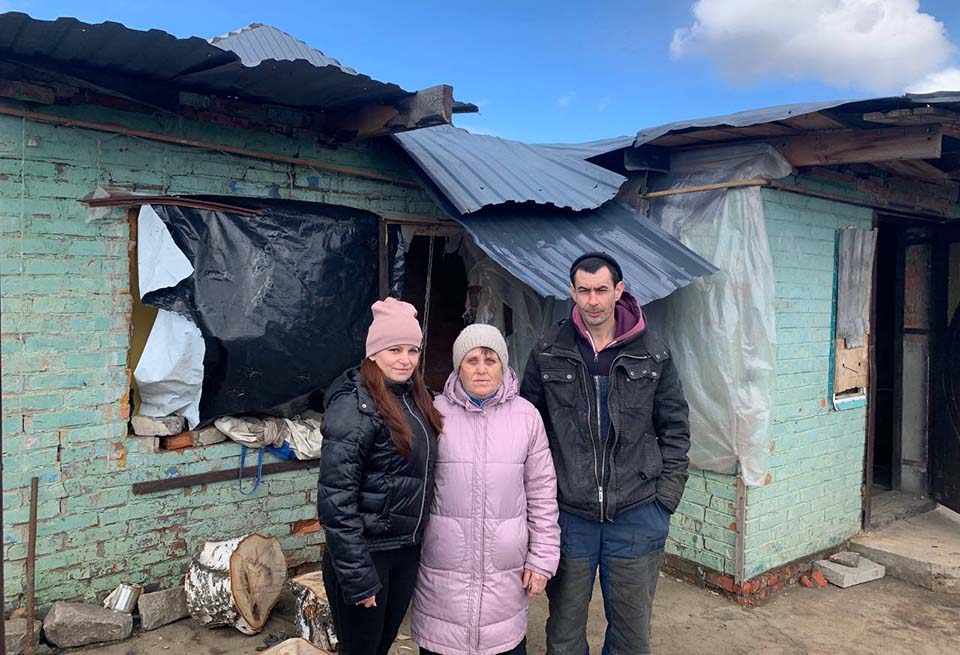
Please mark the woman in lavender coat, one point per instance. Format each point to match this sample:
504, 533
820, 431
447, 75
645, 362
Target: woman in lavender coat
492, 540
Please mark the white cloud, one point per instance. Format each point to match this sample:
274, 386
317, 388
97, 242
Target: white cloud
566, 99
603, 103
875, 45
946, 80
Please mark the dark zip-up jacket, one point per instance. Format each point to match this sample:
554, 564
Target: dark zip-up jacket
645, 456
370, 498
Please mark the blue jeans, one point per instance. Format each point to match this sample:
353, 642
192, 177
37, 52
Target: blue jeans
628, 552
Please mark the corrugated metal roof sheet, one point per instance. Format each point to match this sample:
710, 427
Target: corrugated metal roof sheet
257, 43
538, 246
195, 64
475, 171
590, 148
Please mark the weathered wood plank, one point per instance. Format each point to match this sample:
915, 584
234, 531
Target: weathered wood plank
851, 146
913, 116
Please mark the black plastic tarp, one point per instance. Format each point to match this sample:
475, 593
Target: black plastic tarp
282, 299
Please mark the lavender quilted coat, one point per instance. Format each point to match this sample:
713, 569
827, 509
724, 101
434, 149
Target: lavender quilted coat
493, 515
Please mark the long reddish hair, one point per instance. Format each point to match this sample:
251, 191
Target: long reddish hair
389, 407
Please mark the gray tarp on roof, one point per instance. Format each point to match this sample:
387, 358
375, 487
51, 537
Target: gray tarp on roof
475, 171
538, 247
192, 63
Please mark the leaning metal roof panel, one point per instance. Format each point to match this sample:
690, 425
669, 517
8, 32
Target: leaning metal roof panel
538, 244
475, 171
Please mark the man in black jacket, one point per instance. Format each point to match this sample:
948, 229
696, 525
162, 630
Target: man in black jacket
617, 424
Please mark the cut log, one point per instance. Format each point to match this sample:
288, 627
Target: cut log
295, 646
236, 582
313, 617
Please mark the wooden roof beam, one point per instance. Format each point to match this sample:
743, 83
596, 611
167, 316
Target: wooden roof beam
913, 116
834, 147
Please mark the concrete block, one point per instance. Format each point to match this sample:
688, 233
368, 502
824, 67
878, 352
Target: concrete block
157, 426
162, 607
16, 634
69, 625
848, 576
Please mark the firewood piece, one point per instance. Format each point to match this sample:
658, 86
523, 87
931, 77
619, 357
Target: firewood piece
313, 617
236, 582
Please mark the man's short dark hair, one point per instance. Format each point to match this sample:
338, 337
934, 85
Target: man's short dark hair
593, 262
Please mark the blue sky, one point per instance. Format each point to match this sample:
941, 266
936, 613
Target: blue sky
575, 71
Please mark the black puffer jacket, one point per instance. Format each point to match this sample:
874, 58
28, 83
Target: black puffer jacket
369, 497
646, 454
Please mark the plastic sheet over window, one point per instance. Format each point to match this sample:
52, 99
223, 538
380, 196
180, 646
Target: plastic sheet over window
282, 300
721, 329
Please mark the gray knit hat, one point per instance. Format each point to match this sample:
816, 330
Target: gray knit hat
479, 335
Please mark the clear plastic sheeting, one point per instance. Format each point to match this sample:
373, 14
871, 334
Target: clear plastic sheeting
170, 372
502, 293
721, 329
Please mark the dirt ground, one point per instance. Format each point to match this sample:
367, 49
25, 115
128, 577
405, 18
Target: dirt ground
886, 616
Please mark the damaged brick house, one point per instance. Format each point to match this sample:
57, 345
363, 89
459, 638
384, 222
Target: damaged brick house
176, 215
820, 359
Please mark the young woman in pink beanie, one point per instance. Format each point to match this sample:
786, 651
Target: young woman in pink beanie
376, 482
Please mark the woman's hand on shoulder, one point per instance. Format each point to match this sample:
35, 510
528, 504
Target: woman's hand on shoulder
534, 583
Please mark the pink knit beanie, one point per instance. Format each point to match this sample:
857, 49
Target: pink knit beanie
394, 324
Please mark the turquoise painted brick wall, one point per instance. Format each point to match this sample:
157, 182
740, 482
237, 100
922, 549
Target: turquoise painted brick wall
703, 529
65, 334
813, 496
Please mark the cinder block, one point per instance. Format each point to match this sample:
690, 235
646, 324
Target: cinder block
157, 426
848, 576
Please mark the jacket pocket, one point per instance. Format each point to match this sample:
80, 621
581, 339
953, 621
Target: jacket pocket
640, 378
651, 461
510, 544
444, 544
560, 385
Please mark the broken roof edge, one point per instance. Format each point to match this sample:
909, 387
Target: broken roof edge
197, 64
760, 116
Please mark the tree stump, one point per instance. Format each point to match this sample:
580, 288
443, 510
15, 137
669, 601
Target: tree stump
236, 582
313, 611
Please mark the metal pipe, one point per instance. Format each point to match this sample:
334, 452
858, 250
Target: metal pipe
915, 213
165, 484
426, 302
31, 562
204, 145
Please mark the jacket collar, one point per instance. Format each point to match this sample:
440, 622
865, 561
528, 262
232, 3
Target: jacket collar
454, 392
629, 318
